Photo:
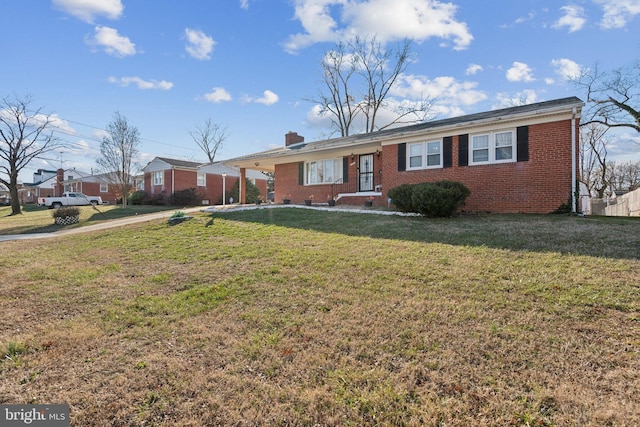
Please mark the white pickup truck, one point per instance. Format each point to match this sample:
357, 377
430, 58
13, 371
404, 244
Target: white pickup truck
69, 199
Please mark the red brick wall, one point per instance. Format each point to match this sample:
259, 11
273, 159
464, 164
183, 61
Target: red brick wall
286, 184
189, 179
539, 185
213, 191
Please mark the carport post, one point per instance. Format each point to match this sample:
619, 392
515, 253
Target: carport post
241, 186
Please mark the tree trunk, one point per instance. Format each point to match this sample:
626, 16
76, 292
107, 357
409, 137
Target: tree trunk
13, 193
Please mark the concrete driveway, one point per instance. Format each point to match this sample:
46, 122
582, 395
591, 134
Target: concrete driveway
100, 226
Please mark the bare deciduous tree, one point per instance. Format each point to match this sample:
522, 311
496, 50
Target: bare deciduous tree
209, 138
595, 171
613, 98
119, 150
24, 136
626, 176
336, 101
357, 79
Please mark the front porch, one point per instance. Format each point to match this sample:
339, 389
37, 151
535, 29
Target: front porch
367, 187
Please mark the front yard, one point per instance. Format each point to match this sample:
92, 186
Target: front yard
297, 317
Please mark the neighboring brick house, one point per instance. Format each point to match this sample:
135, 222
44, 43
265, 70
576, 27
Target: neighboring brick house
165, 176
92, 185
48, 183
518, 159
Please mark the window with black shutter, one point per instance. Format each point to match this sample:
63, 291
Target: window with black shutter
522, 141
463, 150
345, 169
402, 157
301, 173
447, 152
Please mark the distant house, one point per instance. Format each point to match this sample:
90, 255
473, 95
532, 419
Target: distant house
518, 159
92, 185
47, 183
43, 185
165, 176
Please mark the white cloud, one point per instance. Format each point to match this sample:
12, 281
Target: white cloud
218, 94
566, 68
317, 120
419, 20
142, 84
244, 4
520, 20
199, 45
573, 18
449, 96
473, 69
112, 42
519, 72
88, 10
445, 90
617, 13
268, 98
520, 98
55, 121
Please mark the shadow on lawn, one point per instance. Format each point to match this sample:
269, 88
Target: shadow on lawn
591, 236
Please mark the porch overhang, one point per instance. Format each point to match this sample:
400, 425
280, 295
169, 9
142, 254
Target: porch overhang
267, 161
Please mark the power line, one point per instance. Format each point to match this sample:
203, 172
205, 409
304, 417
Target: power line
91, 138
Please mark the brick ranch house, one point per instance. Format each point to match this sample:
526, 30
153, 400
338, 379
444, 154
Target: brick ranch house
519, 159
167, 176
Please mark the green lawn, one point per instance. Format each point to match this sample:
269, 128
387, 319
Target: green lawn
37, 219
298, 317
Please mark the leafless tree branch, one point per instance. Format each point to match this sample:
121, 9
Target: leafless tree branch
24, 136
209, 138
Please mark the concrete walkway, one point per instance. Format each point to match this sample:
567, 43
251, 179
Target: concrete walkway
95, 227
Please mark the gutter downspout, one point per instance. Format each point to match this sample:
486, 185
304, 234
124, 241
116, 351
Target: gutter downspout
573, 162
173, 181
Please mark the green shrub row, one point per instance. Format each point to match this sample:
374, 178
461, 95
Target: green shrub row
431, 199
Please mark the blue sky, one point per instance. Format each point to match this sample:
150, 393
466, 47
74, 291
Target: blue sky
249, 65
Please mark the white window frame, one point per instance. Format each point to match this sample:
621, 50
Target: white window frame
314, 171
157, 178
493, 147
104, 187
419, 151
201, 179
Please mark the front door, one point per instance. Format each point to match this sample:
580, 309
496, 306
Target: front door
366, 172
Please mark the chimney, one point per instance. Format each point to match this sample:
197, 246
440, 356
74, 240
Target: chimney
59, 188
292, 138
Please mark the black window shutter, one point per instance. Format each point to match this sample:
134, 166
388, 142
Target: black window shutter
345, 169
402, 157
301, 173
463, 150
522, 138
447, 152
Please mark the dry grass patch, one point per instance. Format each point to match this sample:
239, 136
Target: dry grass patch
270, 318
